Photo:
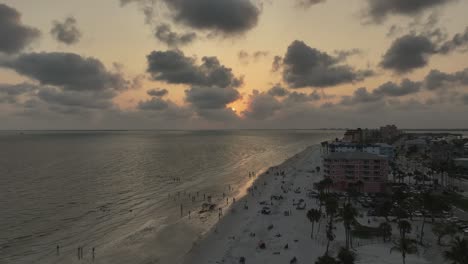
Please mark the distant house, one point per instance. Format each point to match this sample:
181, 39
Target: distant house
346, 168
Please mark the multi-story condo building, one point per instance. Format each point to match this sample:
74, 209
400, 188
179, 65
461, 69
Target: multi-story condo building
346, 168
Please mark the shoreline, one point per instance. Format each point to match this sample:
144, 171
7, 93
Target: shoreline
208, 248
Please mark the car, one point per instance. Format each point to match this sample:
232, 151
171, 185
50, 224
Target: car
417, 214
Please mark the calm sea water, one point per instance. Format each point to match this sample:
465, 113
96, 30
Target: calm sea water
115, 191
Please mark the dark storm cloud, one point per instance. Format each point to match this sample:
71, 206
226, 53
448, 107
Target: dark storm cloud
154, 104
14, 35
406, 87
379, 10
224, 16
202, 97
262, 106
278, 91
67, 70
304, 66
67, 31
157, 92
173, 67
407, 53
164, 34
437, 80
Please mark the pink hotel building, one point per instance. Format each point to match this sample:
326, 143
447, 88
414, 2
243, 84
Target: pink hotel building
345, 168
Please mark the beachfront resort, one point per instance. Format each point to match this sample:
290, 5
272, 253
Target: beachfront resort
374, 196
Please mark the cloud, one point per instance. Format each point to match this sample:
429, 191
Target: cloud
379, 10
308, 3
261, 106
174, 67
67, 70
202, 97
388, 89
15, 35
296, 97
304, 66
413, 51
245, 57
84, 99
360, 95
437, 80
278, 91
342, 55
9, 93
153, 104
406, 87
276, 65
146, 6
164, 34
69, 83
66, 32
407, 53
459, 40
157, 92
224, 16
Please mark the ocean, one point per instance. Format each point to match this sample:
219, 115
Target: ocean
120, 192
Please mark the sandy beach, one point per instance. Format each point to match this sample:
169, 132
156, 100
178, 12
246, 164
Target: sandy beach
287, 238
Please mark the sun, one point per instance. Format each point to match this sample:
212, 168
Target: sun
233, 109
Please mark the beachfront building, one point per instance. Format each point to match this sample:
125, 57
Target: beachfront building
382, 149
369, 136
346, 168
389, 132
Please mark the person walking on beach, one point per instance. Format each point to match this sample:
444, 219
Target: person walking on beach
58, 250
94, 253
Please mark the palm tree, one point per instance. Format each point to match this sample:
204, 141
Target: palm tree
349, 214
443, 229
331, 206
327, 183
346, 256
405, 246
313, 215
326, 259
386, 230
405, 228
457, 253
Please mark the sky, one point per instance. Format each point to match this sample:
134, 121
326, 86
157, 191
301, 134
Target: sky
233, 64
